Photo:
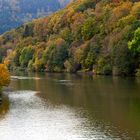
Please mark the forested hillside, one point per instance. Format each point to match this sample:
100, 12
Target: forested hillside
101, 36
15, 12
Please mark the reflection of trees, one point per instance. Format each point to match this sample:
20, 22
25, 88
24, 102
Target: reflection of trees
108, 99
4, 105
102, 99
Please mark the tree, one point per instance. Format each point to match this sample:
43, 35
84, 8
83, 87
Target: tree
134, 45
28, 30
88, 28
66, 35
26, 56
4, 76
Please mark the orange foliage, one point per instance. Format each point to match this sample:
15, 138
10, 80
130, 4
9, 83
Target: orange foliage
4, 76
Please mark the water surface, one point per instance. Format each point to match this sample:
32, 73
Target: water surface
70, 107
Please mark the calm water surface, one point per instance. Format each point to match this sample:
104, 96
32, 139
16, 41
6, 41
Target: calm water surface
70, 107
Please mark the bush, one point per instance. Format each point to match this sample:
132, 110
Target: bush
103, 67
88, 28
4, 76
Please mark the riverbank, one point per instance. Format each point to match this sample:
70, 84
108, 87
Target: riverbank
86, 72
102, 41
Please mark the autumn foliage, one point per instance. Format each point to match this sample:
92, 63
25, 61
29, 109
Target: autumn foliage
87, 35
4, 76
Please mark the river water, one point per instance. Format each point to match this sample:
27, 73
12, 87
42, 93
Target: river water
70, 107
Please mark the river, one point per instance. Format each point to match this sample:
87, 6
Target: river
70, 107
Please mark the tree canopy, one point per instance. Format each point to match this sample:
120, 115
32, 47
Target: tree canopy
87, 35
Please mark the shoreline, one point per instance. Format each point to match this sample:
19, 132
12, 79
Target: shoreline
81, 72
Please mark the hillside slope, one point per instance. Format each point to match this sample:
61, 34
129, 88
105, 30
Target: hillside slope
15, 12
87, 35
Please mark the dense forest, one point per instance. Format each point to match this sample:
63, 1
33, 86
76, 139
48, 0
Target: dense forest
102, 36
15, 12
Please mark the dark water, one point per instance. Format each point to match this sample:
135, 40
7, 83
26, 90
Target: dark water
70, 107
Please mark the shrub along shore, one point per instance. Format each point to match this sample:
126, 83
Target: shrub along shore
4, 76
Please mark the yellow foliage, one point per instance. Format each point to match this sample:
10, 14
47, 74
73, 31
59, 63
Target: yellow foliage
136, 9
121, 11
6, 62
4, 76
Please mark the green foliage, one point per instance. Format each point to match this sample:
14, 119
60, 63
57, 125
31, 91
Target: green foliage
28, 30
55, 57
48, 53
88, 58
38, 65
134, 45
66, 35
16, 58
26, 56
60, 55
88, 35
88, 28
103, 67
85, 5
2, 53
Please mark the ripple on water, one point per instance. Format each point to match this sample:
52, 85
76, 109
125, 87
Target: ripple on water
24, 78
65, 82
22, 94
24, 99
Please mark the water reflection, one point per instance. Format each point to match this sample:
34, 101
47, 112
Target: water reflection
75, 107
31, 118
4, 106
